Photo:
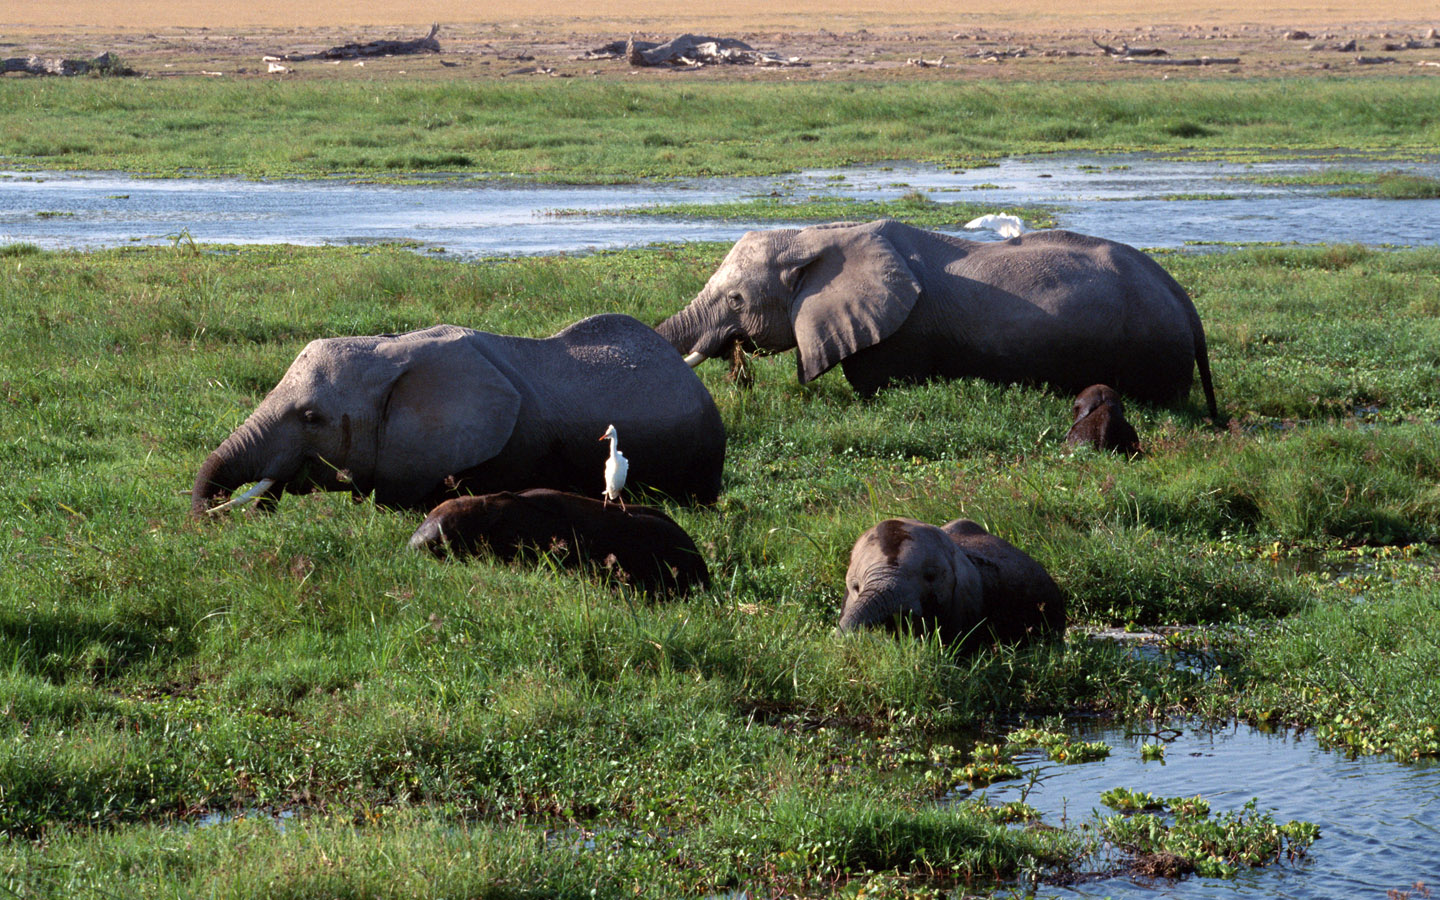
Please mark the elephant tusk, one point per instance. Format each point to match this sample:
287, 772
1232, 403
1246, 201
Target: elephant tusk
695, 359
260, 487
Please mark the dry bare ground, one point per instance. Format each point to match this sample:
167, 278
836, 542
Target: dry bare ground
988, 39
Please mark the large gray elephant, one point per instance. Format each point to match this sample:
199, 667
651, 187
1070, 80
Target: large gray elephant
958, 580
892, 303
417, 417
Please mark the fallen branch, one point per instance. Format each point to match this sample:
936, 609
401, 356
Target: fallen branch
1126, 50
104, 64
427, 44
1199, 61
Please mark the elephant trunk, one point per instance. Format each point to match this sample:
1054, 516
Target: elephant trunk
686, 331
872, 607
235, 462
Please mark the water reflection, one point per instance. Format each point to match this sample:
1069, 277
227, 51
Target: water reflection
1132, 198
1379, 820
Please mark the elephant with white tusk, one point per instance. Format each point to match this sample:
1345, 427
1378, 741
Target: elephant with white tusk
414, 418
891, 303
959, 581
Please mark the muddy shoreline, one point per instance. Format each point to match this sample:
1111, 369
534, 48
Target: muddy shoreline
979, 48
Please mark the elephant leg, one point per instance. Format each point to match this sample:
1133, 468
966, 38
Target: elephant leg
890, 362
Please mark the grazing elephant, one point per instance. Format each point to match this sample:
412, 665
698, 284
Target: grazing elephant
417, 417
893, 303
960, 581
639, 545
1100, 421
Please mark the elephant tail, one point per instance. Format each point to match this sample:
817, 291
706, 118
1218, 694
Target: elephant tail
1202, 362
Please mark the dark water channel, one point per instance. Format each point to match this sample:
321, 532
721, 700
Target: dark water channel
1379, 820
1132, 198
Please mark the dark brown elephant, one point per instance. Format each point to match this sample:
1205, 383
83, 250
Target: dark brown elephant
969, 586
1100, 421
415, 418
637, 545
892, 303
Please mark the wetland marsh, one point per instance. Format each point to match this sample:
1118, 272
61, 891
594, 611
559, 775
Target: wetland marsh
429, 729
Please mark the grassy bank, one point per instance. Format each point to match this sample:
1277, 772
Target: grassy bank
915, 207
583, 131
478, 727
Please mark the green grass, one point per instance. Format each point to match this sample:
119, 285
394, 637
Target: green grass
1381, 185
588, 131
464, 725
915, 208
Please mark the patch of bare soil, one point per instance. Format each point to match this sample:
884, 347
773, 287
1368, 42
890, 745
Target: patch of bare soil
839, 39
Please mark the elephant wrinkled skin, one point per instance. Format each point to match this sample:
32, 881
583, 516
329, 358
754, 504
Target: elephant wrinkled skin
960, 581
638, 545
417, 417
892, 303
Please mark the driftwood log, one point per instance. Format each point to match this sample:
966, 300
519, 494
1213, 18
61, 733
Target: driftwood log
1199, 61
104, 64
427, 44
689, 50
1125, 50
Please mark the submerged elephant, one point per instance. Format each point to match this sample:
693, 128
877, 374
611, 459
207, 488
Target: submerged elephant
637, 545
1100, 421
959, 581
892, 303
417, 417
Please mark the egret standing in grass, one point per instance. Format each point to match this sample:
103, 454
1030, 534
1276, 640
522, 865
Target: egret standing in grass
615, 468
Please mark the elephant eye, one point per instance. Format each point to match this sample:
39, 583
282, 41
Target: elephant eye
735, 299
311, 417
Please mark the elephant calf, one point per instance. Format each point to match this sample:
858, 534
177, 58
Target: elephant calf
1100, 421
641, 546
960, 581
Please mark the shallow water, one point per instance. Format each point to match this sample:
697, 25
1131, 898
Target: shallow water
1121, 197
1379, 820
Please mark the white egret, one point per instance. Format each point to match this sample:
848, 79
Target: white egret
1007, 225
616, 468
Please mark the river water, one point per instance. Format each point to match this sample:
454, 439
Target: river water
1140, 200
1379, 820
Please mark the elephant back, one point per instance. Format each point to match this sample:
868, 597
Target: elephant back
1021, 602
607, 370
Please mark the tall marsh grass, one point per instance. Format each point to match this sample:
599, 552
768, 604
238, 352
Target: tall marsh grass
152, 667
607, 131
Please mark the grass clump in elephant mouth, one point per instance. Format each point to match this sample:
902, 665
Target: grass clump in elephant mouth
469, 724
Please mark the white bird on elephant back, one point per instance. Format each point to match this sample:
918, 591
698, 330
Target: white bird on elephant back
1006, 225
616, 468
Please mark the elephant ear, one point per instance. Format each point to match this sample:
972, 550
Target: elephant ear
853, 291
968, 601
448, 409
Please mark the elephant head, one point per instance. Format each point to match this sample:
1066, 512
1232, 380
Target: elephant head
1100, 422
828, 291
389, 414
907, 574
958, 580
